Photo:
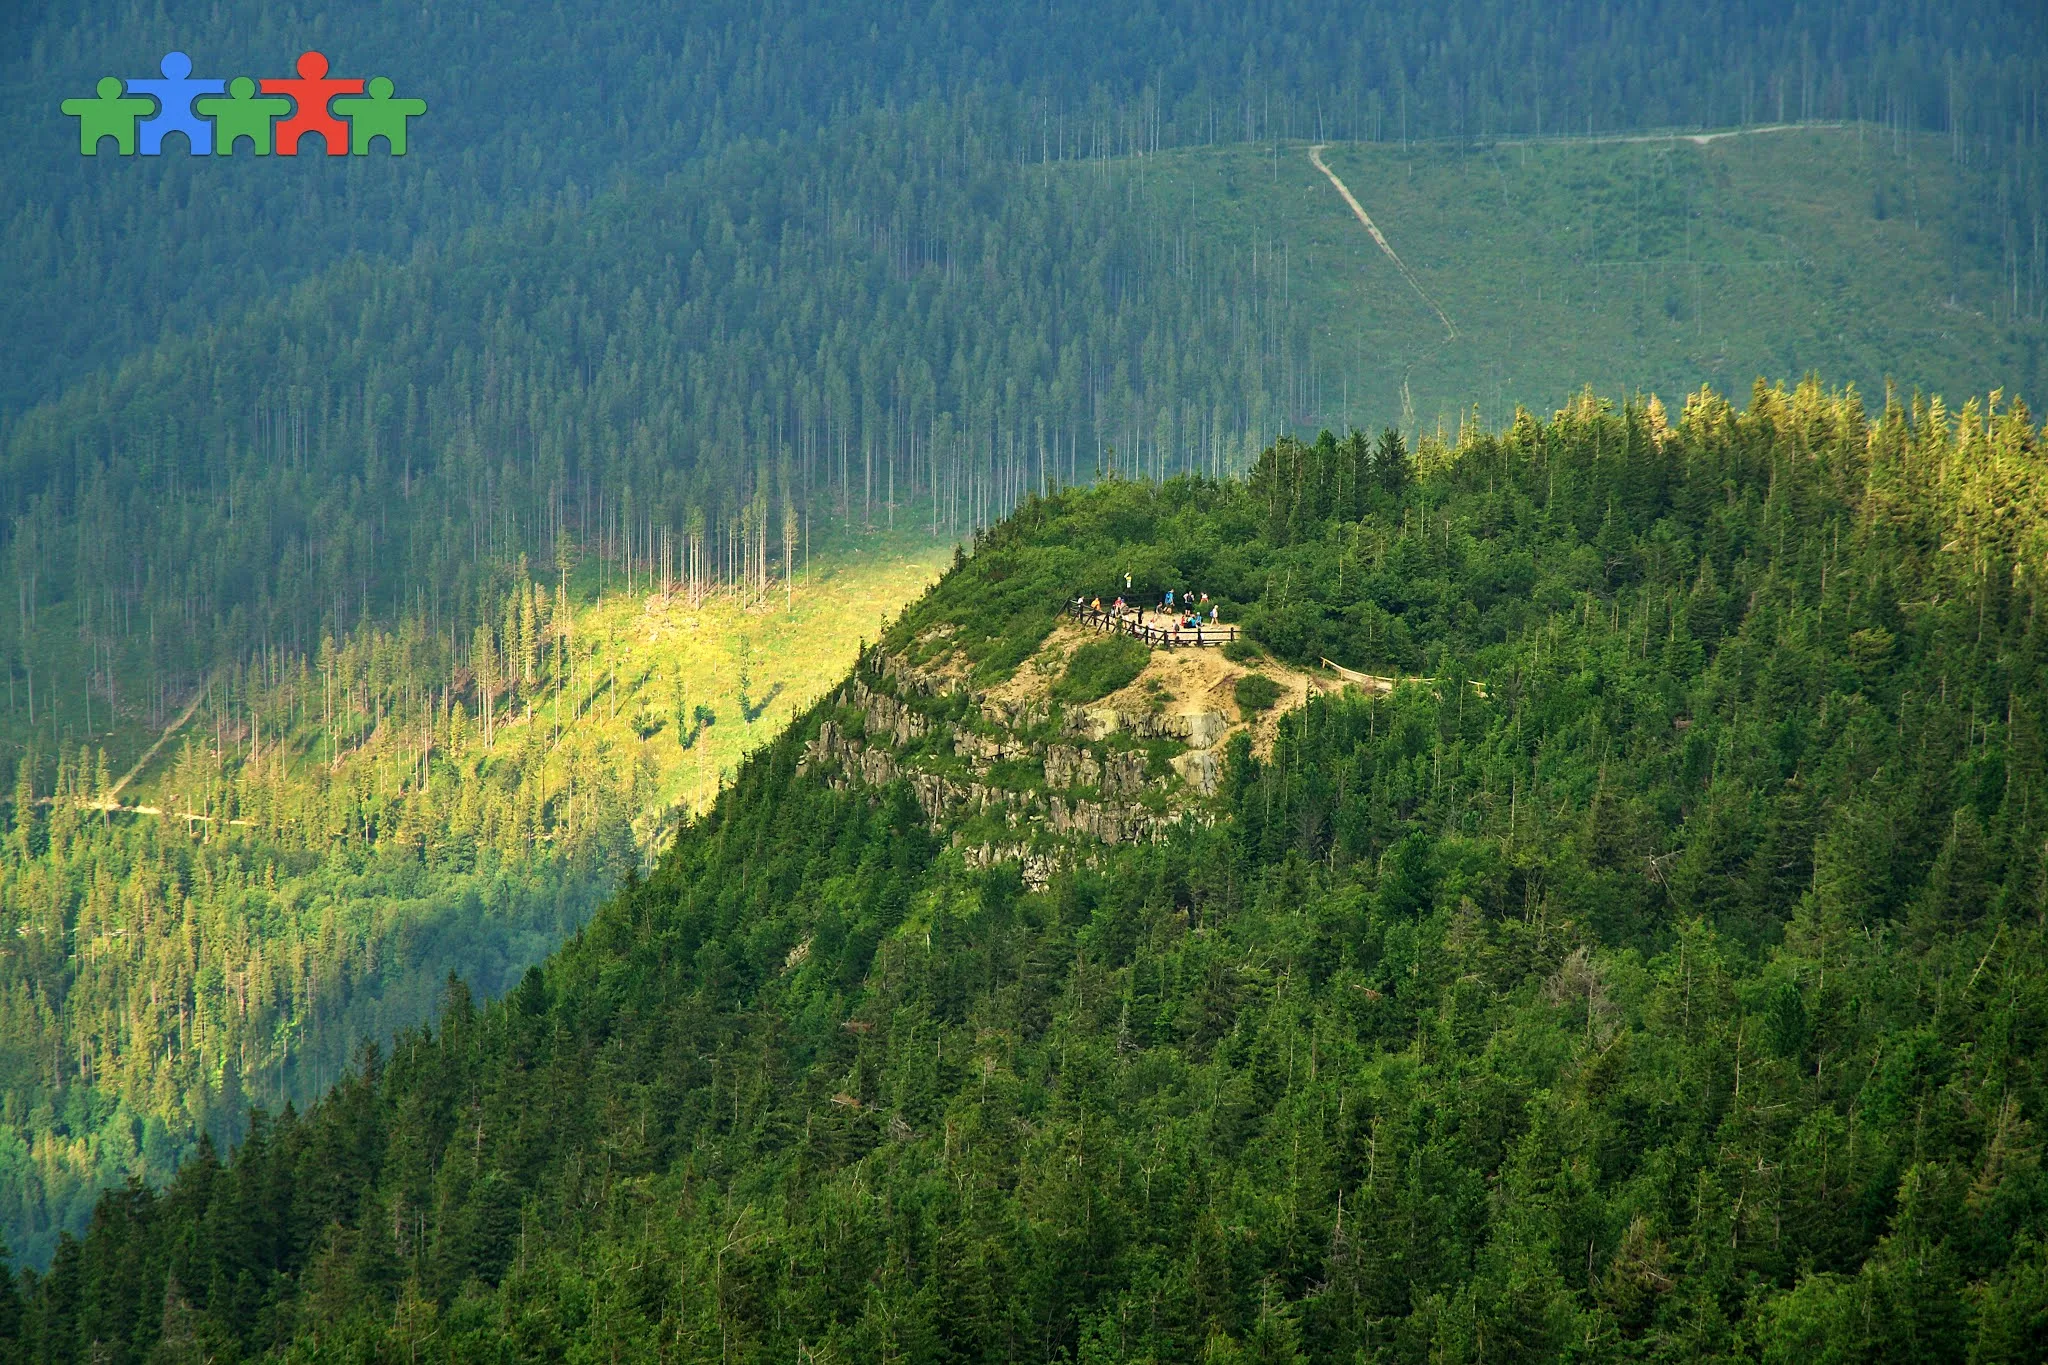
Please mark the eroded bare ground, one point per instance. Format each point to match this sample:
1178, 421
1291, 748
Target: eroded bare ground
1192, 689
1127, 767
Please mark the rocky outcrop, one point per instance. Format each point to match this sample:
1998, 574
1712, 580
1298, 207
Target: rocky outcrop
1201, 769
1026, 715
1123, 774
886, 717
1111, 823
1196, 729
1202, 729
908, 677
873, 767
861, 764
983, 750
1117, 774
1038, 866
1109, 797
1067, 766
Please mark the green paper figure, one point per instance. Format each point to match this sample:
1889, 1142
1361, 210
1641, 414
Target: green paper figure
242, 113
378, 115
111, 115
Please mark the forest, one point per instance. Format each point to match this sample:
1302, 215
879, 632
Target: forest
1674, 993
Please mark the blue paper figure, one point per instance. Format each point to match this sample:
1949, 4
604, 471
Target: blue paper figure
174, 96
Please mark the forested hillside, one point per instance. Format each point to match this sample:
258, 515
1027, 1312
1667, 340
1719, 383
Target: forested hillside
109, 257
1656, 975
835, 331
313, 845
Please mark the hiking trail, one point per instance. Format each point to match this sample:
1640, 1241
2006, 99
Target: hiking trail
1696, 139
198, 695
1315, 156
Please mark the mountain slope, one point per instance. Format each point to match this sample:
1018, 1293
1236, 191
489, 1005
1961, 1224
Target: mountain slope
304, 517
112, 256
311, 852
1668, 994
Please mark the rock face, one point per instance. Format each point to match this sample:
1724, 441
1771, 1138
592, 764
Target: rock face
1196, 729
890, 718
1205, 728
1016, 715
1123, 774
1201, 769
1091, 790
1107, 821
1038, 867
1067, 766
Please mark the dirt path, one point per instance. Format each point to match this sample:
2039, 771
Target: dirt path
198, 696
113, 808
1315, 156
1696, 139
111, 801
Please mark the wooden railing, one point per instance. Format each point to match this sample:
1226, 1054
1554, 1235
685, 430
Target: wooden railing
1132, 622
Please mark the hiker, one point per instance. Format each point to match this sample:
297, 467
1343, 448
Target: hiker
1096, 606
1169, 599
1212, 614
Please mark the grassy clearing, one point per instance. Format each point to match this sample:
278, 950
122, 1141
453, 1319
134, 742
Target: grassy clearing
754, 669
1643, 266
651, 674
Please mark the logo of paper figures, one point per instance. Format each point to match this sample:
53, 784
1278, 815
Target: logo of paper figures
217, 116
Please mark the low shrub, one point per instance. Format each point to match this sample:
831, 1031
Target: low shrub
1255, 693
1099, 668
